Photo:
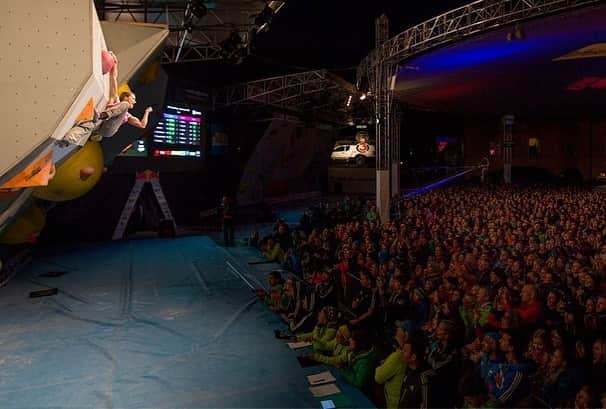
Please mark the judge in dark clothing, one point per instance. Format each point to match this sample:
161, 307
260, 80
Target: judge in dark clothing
228, 221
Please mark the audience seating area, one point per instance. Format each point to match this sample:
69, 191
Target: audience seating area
491, 296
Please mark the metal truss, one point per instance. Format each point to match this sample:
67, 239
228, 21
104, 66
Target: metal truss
194, 38
317, 91
474, 18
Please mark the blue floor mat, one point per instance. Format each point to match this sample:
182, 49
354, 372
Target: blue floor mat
149, 323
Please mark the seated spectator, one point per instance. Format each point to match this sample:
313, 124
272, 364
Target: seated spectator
324, 331
273, 297
539, 352
391, 370
489, 354
415, 389
597, 371
482, 309
364, 303
359, 369
420, 307
585, 398
337, 351
530, 310
600, 311
559, 385
508, 382
395, 301
301, 319
288, 299
473, 394
442, 357
272, 251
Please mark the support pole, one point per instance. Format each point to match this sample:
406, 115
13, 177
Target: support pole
395, 151
381, 88
508, 121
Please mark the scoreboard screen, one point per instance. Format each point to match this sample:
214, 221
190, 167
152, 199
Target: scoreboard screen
178, 132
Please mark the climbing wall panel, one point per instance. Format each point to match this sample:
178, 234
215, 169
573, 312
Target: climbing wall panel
45, 61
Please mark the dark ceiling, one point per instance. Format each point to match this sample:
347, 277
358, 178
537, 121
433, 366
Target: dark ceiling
314, 34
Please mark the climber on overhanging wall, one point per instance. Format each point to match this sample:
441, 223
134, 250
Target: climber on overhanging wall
105, 124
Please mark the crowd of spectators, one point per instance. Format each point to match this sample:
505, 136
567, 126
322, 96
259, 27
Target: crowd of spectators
487, 296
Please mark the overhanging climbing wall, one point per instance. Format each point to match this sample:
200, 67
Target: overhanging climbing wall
50, 73
46, 67
134, 44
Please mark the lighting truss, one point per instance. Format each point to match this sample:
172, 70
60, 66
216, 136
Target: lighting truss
192, 38
474, 18
319, 91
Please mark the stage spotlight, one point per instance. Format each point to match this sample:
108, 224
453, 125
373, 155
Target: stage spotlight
349, 100
198, 8
363, 96
519, 33
263, 20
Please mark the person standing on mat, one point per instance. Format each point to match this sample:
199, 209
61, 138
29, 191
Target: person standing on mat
228, 221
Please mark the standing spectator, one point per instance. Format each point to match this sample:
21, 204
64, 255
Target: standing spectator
228, 221
415, 390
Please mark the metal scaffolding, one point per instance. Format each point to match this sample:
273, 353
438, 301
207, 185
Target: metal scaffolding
199, 30
320, 91
474, 18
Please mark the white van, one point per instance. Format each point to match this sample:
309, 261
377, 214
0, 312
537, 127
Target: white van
355, 152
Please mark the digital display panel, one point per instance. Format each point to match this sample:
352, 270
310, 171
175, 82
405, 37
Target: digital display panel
171, 152
178, 132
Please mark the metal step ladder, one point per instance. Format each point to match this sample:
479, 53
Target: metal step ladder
142, 178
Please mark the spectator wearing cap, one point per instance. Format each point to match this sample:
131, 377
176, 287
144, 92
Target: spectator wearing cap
489, 354
391, 371
420, 307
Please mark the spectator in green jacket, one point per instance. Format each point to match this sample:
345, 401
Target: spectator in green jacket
272, 251
324, 331
391, 371
339, 349
360, 367
483, 308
